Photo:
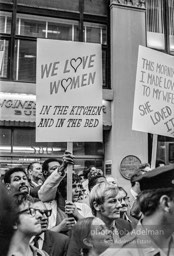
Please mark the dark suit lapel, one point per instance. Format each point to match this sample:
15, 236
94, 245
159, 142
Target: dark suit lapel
122, 227
48, 243
118, 225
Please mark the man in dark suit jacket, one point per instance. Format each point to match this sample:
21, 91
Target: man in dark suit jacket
55, 244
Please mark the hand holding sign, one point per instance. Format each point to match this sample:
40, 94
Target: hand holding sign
66, 224
71, 210
67, 160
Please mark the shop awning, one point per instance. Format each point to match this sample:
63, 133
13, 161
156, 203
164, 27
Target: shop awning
17, 107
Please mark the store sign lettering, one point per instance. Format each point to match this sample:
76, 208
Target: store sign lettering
43, 150
18, 107
26, 107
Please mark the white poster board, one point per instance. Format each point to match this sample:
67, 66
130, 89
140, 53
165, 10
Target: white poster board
154, 93
68, 91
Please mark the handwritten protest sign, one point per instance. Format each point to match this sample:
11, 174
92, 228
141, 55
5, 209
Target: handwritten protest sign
69, 91
154, 93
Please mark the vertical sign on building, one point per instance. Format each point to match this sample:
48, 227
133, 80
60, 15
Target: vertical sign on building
69, 91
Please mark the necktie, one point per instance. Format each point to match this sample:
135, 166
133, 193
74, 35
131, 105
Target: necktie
36, 241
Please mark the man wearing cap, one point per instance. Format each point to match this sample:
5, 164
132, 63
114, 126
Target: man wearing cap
153, 235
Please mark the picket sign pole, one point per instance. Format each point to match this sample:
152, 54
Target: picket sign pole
69, 173
154, 151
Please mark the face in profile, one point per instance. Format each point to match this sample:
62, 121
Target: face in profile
122, 198
110, 209
36, 171
101, 238
42, 214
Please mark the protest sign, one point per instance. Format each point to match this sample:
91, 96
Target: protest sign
154, 93
69, 91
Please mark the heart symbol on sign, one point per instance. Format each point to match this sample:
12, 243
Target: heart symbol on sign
65, 83
75, 63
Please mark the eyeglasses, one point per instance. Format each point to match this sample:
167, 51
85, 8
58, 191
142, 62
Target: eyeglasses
32, 212
46, 212
29, 211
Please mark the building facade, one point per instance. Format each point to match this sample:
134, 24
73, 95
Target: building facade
120, 27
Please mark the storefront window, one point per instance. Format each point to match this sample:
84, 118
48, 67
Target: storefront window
60, 31
95, 33
4, 46
171, 152
25, 142
83, 164
5, 139
165, 149
20, 145
25, 61
88, 148
155, 24
5, 22
104, 59
76, 33
171, 26
31, 27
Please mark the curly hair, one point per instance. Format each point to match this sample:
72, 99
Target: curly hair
63, 184
7, 176
46, 164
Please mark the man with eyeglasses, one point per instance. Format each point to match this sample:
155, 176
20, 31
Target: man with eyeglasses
125, 209
55, 244
27, 225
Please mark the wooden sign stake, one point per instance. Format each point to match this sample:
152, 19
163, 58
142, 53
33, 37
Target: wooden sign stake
154, 150
69, 173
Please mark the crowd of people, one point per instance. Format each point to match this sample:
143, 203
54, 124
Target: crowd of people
102, 218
